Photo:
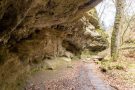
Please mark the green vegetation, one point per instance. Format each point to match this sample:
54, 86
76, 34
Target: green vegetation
107, 65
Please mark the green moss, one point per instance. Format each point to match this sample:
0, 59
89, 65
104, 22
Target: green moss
87, 53
131, 66
3, 54
108, 65
16, 83
93, 18
102, 33
2, 58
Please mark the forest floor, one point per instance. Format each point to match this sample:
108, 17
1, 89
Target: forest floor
120, 73
87, 74
82, 75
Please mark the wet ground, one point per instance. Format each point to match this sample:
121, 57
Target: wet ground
79, 76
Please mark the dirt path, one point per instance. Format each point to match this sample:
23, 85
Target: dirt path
78, 77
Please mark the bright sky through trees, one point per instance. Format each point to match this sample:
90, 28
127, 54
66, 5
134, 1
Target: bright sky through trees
106, 11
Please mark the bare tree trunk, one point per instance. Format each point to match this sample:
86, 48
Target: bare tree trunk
115, 39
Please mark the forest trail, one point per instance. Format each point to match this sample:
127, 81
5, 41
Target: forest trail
79, 76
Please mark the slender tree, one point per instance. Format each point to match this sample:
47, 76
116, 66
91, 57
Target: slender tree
115, 39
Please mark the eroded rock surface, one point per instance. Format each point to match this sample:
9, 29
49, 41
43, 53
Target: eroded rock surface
35, 30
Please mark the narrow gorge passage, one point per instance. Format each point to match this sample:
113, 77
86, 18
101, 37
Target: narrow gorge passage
67, 44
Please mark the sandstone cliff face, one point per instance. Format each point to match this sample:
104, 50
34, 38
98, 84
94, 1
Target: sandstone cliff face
35, 30
39, 13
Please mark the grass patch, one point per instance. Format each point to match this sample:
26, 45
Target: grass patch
87, 54
107, 65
